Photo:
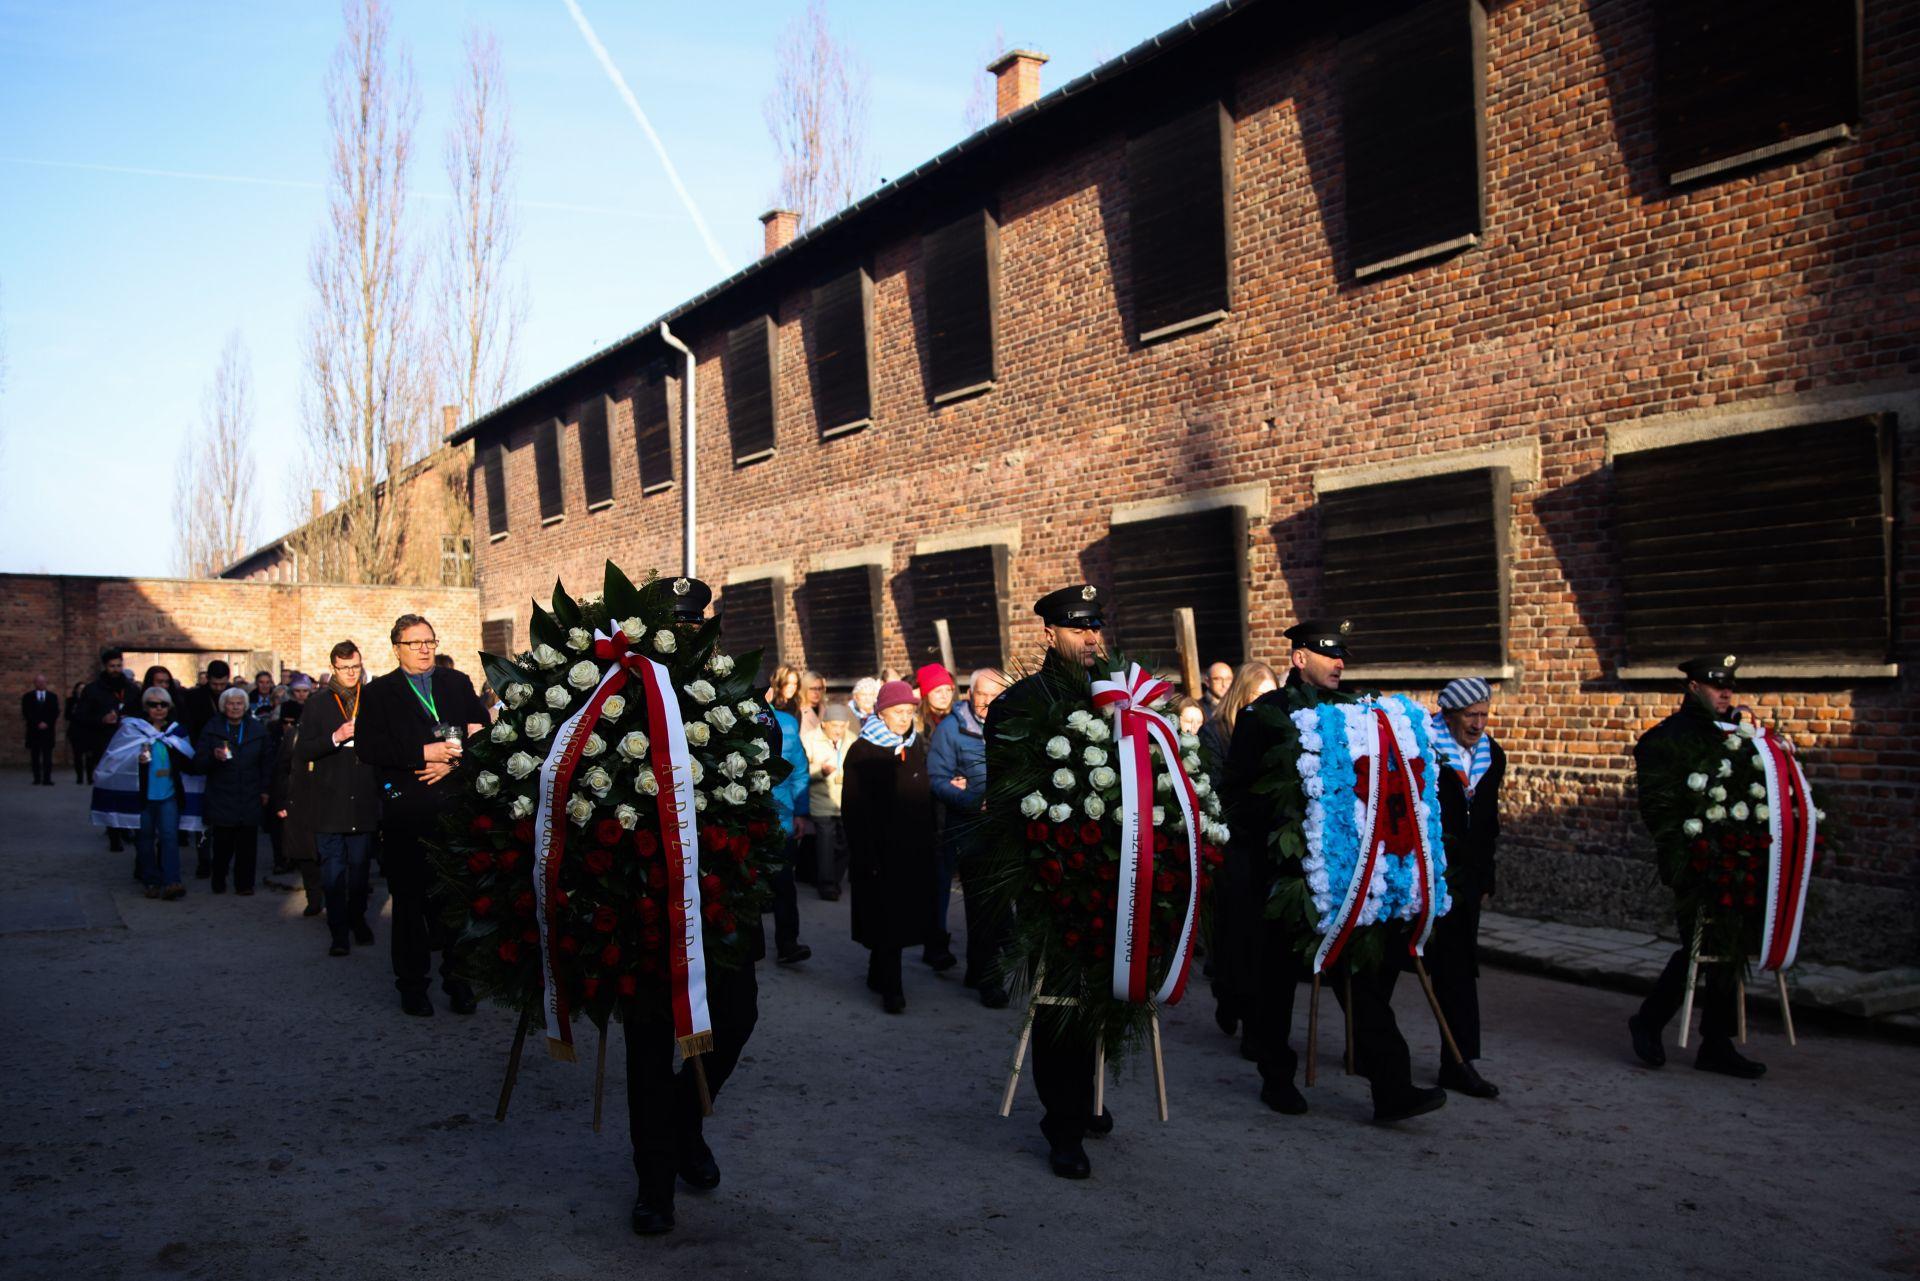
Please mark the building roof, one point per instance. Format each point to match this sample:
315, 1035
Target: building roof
273, 545
1190, 46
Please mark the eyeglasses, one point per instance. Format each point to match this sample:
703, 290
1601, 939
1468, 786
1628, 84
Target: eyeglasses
421, 647
344, 670
157, 707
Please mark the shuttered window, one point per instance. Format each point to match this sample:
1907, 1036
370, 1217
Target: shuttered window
546, 470
596, 462
752, 371
750, 619
1413, 90
1774, 544
496, 637
493, 476
652, 430
1419, 567
1743, 81
839, 352
1196, 560
1180, 204
967, 587
840, 621
961, 266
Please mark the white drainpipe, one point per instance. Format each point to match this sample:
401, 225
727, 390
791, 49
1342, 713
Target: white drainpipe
688, 414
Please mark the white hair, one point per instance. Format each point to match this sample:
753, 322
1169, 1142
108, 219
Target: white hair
232, 692
985, 673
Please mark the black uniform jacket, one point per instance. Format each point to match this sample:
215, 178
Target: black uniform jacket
394, 726
1654, 762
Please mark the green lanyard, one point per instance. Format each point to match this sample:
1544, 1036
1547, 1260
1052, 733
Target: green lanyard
427, 701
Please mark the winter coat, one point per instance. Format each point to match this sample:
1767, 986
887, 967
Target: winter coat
339, 793
235, 785
1471, 826
887, 809
959, 750
790, 793
823, 795
103, 695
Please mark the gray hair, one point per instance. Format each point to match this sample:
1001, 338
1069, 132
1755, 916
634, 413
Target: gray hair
986, 673
159, 692
868, 685
232, 692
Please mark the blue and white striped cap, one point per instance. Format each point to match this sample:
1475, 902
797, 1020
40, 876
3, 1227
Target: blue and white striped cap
1464, 692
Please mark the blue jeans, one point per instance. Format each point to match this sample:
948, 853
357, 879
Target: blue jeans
158, 842
343, 873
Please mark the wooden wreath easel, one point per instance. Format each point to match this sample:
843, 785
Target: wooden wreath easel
1313, 1019
1038, 999
1695, 961
599, 1073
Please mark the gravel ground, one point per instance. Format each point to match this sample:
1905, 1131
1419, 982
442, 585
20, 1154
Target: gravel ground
197, 1090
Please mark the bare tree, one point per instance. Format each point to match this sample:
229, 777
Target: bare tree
982, 101
817, 113
369, 360
213, 479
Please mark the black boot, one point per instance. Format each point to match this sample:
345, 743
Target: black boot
1718, 1055
1284, 1097
939, 955
1409, 1103
1068, 1158
460, 996
1464, 1078
1646, 1042
650, 1220
698, 1169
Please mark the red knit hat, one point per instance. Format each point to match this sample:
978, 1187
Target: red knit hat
893, 694
932, 677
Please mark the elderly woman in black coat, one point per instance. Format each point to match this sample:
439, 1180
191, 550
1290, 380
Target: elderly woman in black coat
1472, 767
233, 752
886, 806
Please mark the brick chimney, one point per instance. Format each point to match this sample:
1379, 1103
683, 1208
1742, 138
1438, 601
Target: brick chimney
780, 225
449, 420
319, 503
1016, 77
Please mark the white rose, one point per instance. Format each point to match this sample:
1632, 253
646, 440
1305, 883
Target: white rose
1063, 779
627, 816
700, 692
1098, 731
611, 709
503, 732
1697, 782
1033, 805
760, 750
521, 807
1201, 785
699, 802
578, 638
633, 746
1102, 777
1163, 783
1094, 756
720, 665
1762, 813
593, 746
734, 765
1078, 717
1059, 748
721, 718
487, 784
558, 696
599, 780
664, 642
538, 726
1159, 816
747, 707
548, 656
1693, 827
1718, 794
584, 674
1758, 791
760, 781
1059, 812
1749, 730
520, 764
1190, 763
698, 734
1724, 769
1733, 742
1740, 811
1189, 742
645, 782
733, 794
1093, 807
634, 629
517, 694
1211, 804
695, 770
579, 810
1715, 813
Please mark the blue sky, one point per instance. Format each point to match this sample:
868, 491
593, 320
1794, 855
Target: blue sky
160, 186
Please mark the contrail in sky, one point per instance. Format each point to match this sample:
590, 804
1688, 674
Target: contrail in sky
633, 105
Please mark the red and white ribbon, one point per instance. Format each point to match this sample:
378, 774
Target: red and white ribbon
1129, 695
1793, 825
1389, 777
678, 843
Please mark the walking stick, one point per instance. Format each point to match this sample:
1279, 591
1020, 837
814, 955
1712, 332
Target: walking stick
1347, 1010
1313, 1028
1446, 1033
1159, 1067
513, 1065
1099, 1077
700, 1084
600, 1078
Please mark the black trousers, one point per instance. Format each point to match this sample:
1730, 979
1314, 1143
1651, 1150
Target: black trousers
1062, 1076
40, 756
786, 905
1381, 1052
1718, 1008
238, 846
663, 1106
1453, 963
417, 931
829, 853
883, 971
989, 924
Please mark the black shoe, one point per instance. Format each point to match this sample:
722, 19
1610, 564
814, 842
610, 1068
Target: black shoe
1465, 1078
1413, 1102
1101, 1126
649, 1220
313, 909
362, 933
1718, 1055
939, 956
893, 1002
339, 948
460, 998
698, 1169
1069, 1160
798, 953
1284, 1097
994, 998
1646, 1043
416, 1004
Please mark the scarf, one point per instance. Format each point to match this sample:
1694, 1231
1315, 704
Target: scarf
875, 731
117, 797
1470, 766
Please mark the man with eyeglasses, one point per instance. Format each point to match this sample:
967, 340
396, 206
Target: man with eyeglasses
410, 728
342, 799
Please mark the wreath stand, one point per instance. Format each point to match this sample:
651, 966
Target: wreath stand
1695, 961
600, 1073
1433, 1002
1039, 999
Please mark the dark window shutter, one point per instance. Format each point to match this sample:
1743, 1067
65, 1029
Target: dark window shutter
968, 588
1180, 206
546, 469
961, 264
840, 621
1195, 560
840, 343
752, 372
496, 637
750, 617
1775, 544
493, 469
1419, 568
1737, 78
1413, 123
653, 430
596, 462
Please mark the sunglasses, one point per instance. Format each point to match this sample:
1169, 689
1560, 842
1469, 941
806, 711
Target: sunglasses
157, 707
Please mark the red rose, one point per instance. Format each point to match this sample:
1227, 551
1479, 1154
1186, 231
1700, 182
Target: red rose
626, 985
481, 823
739, 853
742, 846
1037, 831
509, 952
649, 965
1700, 845
648, 909
1728, 841
1106, 871
713, 912
753, 875
757, 829
1095, 898
650, 938
569, 944
1076, 861
483, 906
1206, 883
712, 886
523, 903
646, 842
480, 862
604, 920
508, 859
1211, 856
523, 831
559, 899
656, 875
714, 836
1090, 832
1071, 938
1750, 900
1097, 924
1699, 865
1065, 836
529, 935
598, 862
1163, 882
607, 832
589, 987
1063, 899
1049, 870
1099, 949
610, 955
726, 922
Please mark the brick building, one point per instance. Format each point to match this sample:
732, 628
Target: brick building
1545, 339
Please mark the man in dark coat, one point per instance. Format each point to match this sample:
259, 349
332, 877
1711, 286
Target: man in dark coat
412, 724
340, 800
1317, 662
200, 704
1472, 767
1063, 1064
888, 809
39, 713
107, 697
1706, 710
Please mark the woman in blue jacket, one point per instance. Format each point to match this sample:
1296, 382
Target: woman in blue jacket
957, 772
790, 798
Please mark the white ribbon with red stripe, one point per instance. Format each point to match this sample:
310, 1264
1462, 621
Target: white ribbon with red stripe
1793, 826
1129, 695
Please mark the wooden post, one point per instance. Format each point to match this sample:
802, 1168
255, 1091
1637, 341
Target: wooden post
1693, 976
700, 1084
513, 1065
1189, 646
944, 635
1313, 1028
1347, 1010
600, 1076
1100, 1077
1020, 1047
1446, 1033
1786, 1009
1159, 1067
1740, 1001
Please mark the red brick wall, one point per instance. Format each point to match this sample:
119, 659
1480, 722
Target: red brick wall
1598, 297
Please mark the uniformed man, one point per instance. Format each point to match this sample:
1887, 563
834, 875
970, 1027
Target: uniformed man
1316, 664
1062, 1064
1705, 707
